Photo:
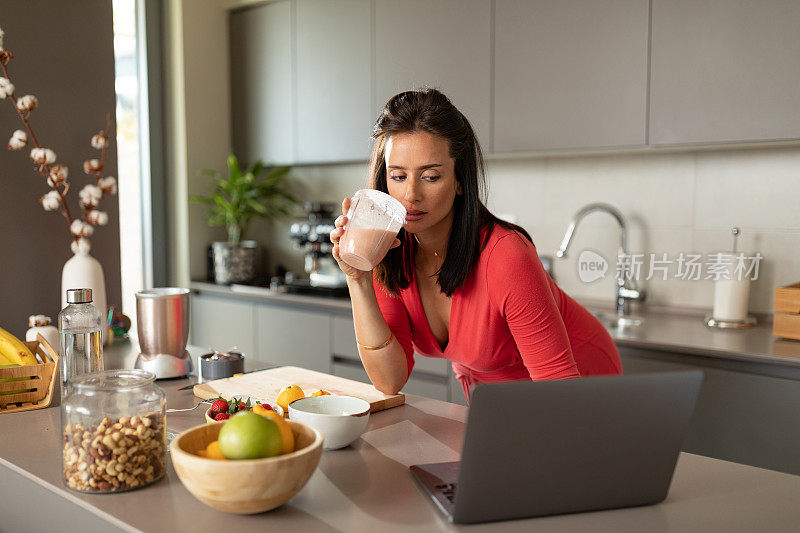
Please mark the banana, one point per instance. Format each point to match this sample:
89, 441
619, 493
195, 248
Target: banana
5, 362
14, 350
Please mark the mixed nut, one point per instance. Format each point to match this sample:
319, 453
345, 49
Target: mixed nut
115, 455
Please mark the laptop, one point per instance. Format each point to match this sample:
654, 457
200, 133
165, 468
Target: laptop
543, 448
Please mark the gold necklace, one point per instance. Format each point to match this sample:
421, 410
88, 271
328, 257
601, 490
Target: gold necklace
435, 254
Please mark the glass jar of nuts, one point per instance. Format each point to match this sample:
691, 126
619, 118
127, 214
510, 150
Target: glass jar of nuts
114, 431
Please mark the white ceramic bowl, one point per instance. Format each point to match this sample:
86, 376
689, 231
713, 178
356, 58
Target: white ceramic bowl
340, 419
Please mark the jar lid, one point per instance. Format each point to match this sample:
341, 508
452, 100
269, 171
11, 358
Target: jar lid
113, 380
79, 296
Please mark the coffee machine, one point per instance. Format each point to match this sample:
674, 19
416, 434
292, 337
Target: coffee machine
312, 235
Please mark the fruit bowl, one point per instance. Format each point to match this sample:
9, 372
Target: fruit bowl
341, 419
209, 420
244, 486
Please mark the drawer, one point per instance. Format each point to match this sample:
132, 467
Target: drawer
436, 389
352, 371
344, 338
344, 345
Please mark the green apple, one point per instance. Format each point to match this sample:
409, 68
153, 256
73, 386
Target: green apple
249, 436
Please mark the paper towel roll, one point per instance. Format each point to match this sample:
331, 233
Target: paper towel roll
730, 299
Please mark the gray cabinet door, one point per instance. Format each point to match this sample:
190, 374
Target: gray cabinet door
570, 74
221, 323
436, 389
724, 71
294, 337
262, 88
334, 80
344, 345
444, 44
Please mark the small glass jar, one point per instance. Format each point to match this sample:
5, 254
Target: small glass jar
114, 433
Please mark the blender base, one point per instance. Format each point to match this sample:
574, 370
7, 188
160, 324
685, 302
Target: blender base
165, 366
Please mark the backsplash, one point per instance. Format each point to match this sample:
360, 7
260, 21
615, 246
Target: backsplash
674, 202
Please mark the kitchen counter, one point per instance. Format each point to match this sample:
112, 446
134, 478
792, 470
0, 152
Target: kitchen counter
365, 487
662, 330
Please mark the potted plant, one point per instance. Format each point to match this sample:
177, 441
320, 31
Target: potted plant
256, 192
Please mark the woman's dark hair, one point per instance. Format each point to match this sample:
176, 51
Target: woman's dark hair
431, 111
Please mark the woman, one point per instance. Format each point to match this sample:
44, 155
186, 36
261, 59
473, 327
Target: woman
459, 283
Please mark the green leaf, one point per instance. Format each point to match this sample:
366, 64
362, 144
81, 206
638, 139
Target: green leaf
200, 199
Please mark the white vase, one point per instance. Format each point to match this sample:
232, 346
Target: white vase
82, 271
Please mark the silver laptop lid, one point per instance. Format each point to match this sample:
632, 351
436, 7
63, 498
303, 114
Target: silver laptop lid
538, 448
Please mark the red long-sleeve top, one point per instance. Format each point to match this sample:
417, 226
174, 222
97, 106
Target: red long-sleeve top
508, 321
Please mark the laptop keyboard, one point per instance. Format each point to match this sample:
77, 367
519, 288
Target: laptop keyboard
449, 491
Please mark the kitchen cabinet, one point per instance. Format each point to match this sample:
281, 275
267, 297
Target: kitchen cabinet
455, 392
220, 323
334, 112
429, 377
570, 75
344, 345
746, 412
295, 337
262, 89
724, 71
428, 387
444, 44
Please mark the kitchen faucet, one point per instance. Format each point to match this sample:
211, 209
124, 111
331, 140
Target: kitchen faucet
627, 289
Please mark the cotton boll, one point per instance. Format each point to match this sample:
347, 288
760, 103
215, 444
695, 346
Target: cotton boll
81, 246
18, 140
99, 141
6, 88
98, 218
27, 103
51, 201
90, 195
108, 185
91, 166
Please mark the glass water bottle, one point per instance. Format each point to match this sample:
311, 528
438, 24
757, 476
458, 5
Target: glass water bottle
80, 341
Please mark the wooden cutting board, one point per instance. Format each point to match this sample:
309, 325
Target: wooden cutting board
265, 385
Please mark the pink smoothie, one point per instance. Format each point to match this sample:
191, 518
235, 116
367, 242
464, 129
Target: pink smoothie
363, 248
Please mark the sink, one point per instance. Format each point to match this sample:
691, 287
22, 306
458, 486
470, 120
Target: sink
614, 321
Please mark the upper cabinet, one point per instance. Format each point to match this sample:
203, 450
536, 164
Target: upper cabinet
725, 71
334, 112
309, 77
570, 74
262, 90
444, 44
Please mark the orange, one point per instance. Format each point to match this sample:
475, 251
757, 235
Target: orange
287, 437
321, 393
288, 395
213, 451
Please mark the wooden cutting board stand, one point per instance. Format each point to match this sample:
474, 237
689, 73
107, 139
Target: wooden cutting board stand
265, 385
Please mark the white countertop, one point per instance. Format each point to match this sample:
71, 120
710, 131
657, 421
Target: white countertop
368, 487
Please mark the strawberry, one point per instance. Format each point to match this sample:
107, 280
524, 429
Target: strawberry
222, 416
267, 406
220, 406
242, 406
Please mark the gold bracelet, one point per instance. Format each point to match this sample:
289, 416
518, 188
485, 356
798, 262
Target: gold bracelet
384, 345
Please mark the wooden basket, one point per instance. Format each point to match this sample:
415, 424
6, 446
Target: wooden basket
786, 320
37, 383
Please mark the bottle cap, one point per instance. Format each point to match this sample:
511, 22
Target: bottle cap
79, 296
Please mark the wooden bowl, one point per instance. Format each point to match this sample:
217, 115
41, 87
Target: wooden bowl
244, 486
